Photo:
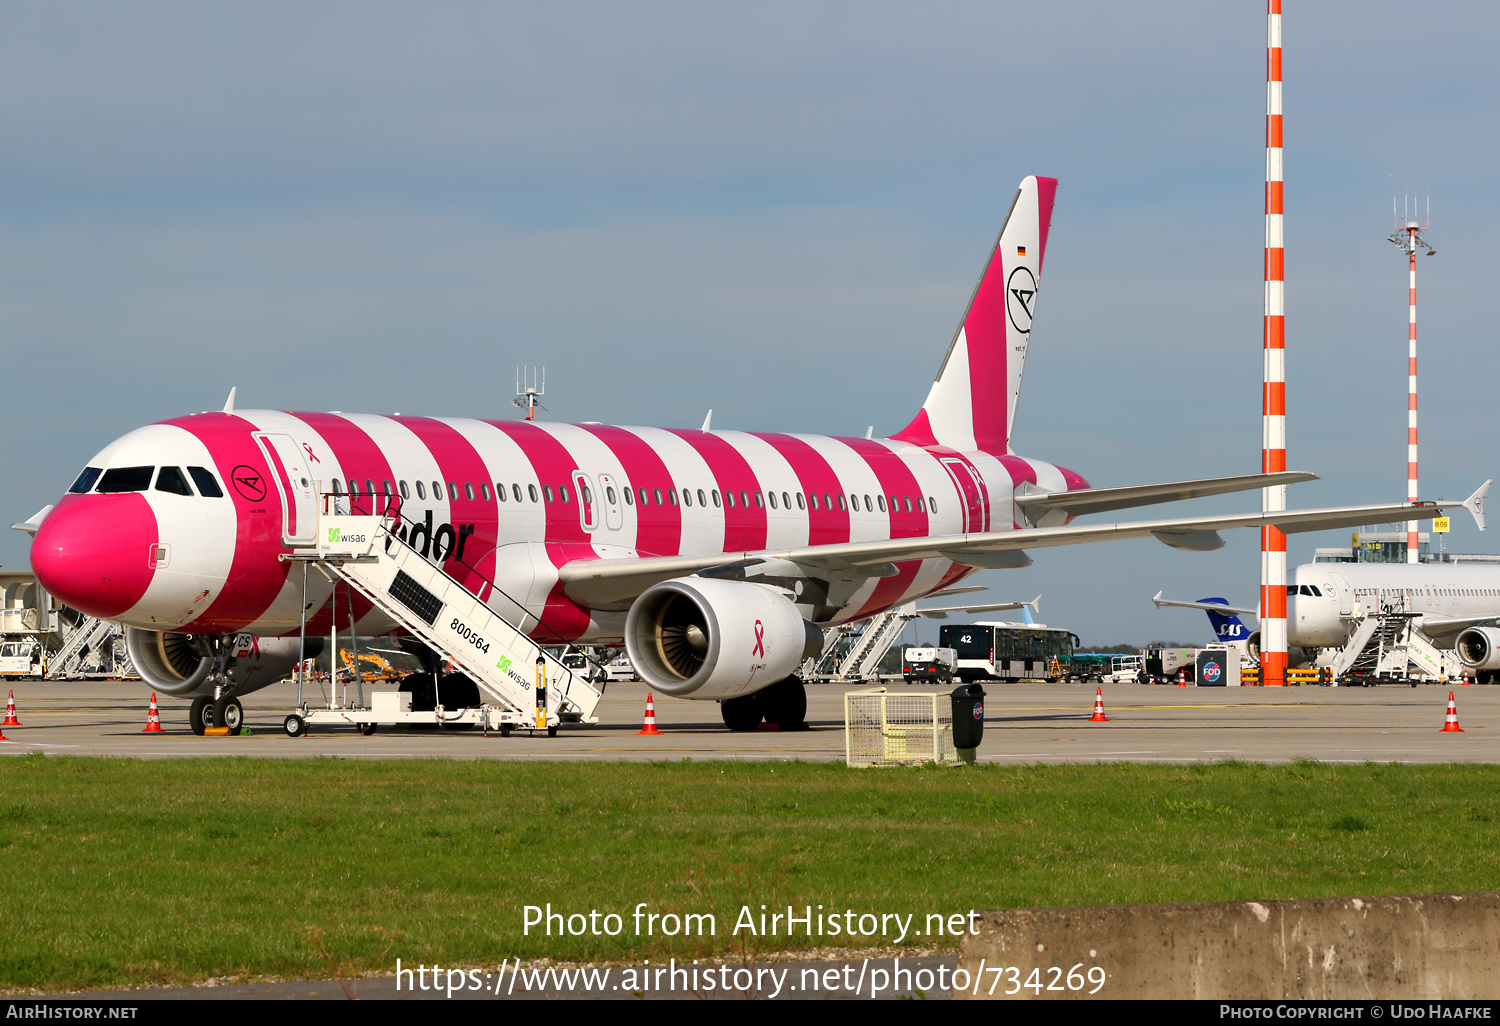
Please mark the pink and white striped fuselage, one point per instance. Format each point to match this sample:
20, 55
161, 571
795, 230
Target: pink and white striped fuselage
502, 505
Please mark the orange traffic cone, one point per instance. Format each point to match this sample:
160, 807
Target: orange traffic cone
10, 712
1450, 723
650, 725
1099, 716
1182, 678
153, 718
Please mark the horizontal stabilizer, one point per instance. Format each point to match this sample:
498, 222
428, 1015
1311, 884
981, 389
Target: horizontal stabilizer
1212, 607
30, 526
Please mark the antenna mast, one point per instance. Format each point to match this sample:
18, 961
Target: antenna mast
1408, 239
529, 390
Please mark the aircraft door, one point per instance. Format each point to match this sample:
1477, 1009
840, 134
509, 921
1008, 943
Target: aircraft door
1346, 606
976, 511
609, 498
587, 510
294, 481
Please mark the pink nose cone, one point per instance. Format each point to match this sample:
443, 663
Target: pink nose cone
94, 552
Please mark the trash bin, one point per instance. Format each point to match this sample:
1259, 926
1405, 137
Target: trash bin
968, 716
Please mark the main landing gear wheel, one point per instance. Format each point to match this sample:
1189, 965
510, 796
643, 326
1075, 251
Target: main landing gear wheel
295, 726
784, 703
229, 713
741, 714
201, 714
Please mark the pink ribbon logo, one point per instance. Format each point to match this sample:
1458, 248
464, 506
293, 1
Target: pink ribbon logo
760, 640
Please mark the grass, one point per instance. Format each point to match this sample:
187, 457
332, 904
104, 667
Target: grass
125, 872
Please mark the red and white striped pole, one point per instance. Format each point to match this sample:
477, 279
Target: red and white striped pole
1273, 655
1408, 239
1412, 545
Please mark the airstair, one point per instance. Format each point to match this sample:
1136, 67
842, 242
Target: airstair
1389, 645
530, 688
89, 637
862, 660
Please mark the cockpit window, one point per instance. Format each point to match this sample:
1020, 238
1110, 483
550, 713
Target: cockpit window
208, 485
126, 479
171, 479
85, 480
1312, 589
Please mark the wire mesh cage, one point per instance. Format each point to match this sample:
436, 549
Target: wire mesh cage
884, 729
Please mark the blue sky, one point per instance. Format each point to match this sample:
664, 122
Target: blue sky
776, 211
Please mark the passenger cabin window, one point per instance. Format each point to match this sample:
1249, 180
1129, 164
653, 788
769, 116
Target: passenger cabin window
812, 500
609, 492
715, 493
500, 492
405, 492
729, 499
687, 497
484, 492
629, 501
452, 491
171, 479
125, 479
931, 504
437, 491
530, 490
800, 504
547, 491
562, 490
786, 500
773, 499
757, 499
880, 501
469, 491
421, 491
85, 480
672, 496
655, 491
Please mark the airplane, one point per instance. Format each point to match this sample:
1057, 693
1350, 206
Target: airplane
658, 538
1458, 603
1228, 629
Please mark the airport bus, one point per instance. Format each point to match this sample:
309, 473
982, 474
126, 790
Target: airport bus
1010, 651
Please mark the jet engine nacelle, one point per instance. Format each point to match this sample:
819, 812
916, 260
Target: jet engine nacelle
180, 664
1479, 648
1296, 655
701, 637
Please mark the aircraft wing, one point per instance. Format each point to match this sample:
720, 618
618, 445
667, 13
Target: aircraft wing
1100, 500
1444, 626
941, 612
596, 581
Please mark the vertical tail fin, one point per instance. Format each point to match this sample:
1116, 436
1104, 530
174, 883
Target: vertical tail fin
1227, 627
972, 404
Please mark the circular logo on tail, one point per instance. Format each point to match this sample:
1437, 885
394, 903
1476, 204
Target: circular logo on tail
1020, 298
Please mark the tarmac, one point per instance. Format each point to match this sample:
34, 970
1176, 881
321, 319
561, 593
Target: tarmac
1024, 723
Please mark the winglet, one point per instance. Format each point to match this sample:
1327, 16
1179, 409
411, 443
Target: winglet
707, 421
1035, 604
1156, 599
1475, 503
229, 403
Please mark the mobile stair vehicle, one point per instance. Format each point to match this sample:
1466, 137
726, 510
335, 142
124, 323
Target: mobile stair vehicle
522, 686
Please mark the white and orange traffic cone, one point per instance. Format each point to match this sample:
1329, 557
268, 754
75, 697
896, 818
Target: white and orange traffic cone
1182, 678
153, 718
1450, 723
1099, 716
10, 712
650, 725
